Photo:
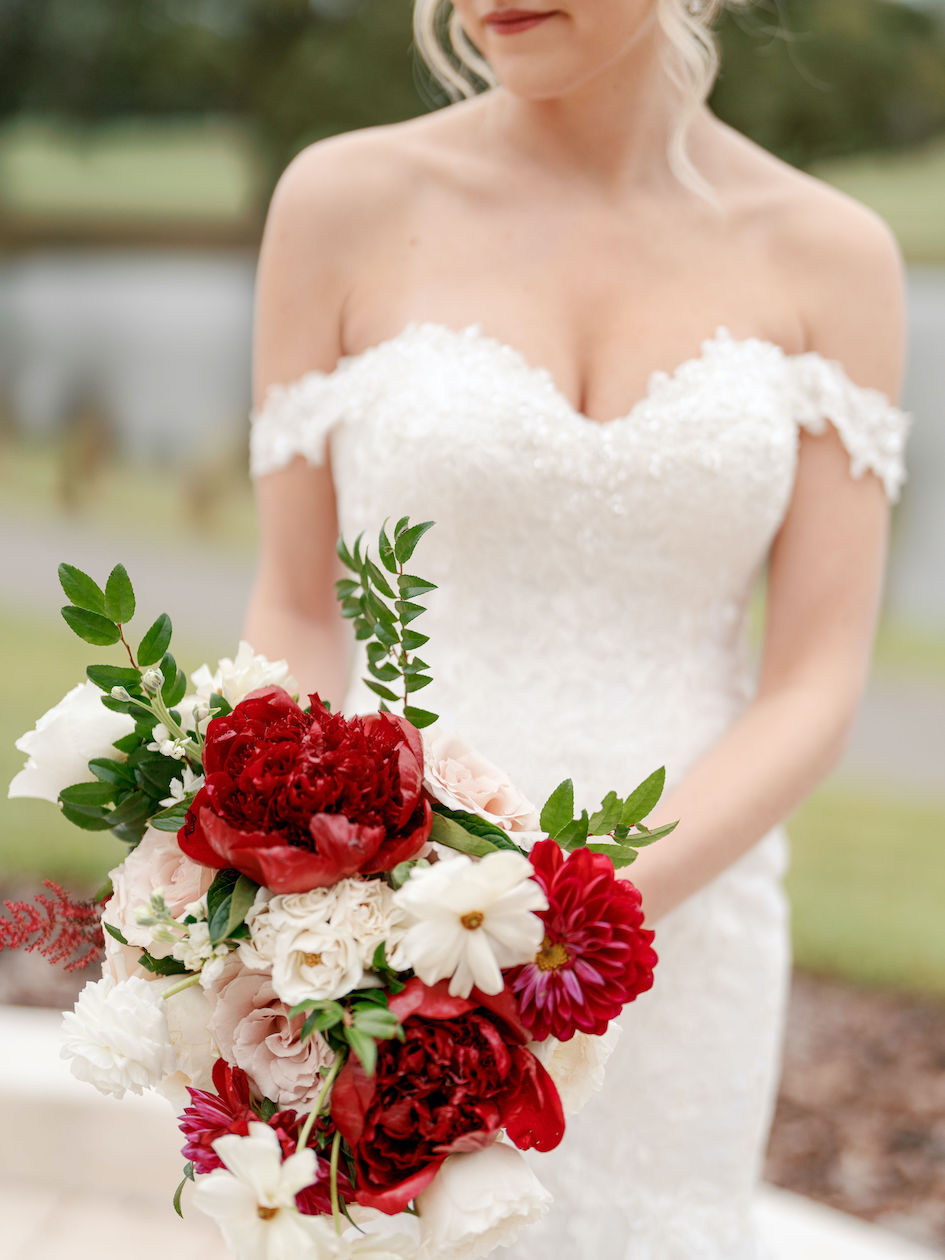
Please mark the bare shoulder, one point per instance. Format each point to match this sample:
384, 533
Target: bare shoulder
840, 261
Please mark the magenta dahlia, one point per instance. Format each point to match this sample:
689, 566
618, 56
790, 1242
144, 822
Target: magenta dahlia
596, 955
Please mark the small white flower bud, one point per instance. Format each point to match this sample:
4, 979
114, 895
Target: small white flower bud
119, 693
152, 680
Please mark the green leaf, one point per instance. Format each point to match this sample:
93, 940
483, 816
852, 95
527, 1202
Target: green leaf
401, 526
413, 640
162, 966
380, 690
386, 551
419, 717
407, 540
643, 798
364, 1047
87, 819
647, 835
241, 899
266, 1109
155, 642
416, 682
618, 854
447, 831
386, 636
407, 612
114, 772
133, 809
574, 834
558, 810
80, 590
188, 1176
345, 587
113, 931
385, 673
127, 743
172, 818
377, 1022
119, 595
410, 586
108, 676
92, 627
379, 580
88, 794
607, 817
478, 826
219, 705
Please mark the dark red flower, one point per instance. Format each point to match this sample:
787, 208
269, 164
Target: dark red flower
299, 800
596, 955
461, 1074
231, 1110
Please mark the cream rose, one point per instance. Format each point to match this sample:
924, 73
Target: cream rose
65, 740
479, 1201
188, 1017
156, 862
460, 778
252, 1028
577, 1066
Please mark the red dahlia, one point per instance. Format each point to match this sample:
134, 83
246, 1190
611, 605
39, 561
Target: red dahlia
231, 1110
461, 1073
299, 800
596, 955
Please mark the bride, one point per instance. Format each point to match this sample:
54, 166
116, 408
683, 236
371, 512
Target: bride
628, 361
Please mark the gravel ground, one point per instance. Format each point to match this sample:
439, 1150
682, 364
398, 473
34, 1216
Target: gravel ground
860, 1119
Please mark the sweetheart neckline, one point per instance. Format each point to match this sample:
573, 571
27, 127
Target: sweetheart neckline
473, 332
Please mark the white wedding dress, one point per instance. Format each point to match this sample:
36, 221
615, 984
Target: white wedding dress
591, 621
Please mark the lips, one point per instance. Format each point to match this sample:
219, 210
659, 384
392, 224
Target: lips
506, 20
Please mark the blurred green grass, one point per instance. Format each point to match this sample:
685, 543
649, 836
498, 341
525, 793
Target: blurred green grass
206, 171
867, 879
867, 887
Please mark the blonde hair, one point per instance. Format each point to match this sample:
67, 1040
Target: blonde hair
691, 60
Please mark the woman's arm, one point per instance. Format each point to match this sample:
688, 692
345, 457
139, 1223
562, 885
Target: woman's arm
825, 576
313, 231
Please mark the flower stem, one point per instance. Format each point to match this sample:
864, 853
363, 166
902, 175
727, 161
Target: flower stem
187, 983
335, 1210
131, 656
319, 1103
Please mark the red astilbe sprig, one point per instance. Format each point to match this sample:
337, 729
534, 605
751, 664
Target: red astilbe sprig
66, 932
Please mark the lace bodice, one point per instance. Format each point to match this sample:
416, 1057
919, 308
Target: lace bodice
591, 619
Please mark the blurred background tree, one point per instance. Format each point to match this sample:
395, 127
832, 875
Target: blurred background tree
807, 79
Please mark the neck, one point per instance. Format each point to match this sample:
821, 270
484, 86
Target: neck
611, 131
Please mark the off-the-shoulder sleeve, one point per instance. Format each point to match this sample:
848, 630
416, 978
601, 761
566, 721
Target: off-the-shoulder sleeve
871, 427
295, 419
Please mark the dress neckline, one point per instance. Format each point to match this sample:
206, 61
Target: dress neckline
539, 374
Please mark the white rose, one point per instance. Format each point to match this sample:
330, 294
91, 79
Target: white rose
256, 953
235, 679
317, 962
117, 1037
65, 740
479, 1201
460, 778
577, 1066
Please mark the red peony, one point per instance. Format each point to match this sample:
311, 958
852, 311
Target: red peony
231, 1110
461, 1074
299, 800
596, 955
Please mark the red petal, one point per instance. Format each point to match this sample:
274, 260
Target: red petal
535, 1117
351, 1096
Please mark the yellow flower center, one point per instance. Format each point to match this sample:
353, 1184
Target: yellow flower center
266, 1213
472, 920
552, 955
312, 960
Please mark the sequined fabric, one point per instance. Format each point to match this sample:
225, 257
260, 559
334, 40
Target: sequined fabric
591, 620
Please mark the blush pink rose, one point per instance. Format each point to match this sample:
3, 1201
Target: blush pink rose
157, 862
459, 777
253, 1030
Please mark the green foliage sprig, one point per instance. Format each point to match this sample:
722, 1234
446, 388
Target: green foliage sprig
129, 788
356, 1022
382, 606
620, 819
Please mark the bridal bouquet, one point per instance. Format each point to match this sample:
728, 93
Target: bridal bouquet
365, 970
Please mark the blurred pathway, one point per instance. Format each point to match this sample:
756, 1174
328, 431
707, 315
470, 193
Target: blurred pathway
898, 738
